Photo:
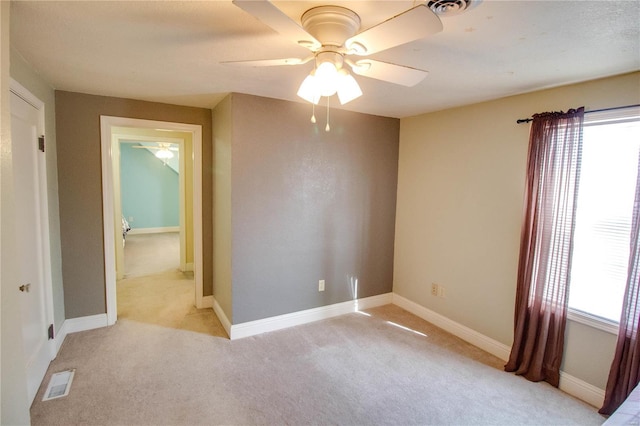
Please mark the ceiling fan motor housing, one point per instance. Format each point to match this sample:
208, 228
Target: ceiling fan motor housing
331, 25
337, 59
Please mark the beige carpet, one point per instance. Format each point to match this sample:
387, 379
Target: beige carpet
166, 299
357, 369
154, 291
146, 254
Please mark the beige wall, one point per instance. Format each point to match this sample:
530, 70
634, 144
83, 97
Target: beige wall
222, 206
79, 174
460, 193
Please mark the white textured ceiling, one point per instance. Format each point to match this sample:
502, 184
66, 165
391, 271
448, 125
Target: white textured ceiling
169, 51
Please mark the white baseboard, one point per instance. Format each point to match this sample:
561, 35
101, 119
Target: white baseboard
568, 383
465, 333
226, 324
59, 338
74, 325
582, 390
251, 328
135, 231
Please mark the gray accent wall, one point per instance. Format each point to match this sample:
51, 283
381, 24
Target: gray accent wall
80, 177
308, 205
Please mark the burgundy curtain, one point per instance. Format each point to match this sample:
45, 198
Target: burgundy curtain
555, 147
624, 375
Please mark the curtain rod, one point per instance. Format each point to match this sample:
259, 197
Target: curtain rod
527, 120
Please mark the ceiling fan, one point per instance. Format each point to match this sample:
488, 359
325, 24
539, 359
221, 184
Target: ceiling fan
334, 37
163, 149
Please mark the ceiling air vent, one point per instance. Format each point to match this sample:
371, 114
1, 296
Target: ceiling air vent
451, 7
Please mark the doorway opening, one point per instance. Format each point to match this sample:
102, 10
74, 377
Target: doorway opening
152, 198
117, 130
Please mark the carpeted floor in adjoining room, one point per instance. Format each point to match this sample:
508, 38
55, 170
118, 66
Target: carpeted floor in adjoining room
155, 291
166, 299
356, 369
146, 254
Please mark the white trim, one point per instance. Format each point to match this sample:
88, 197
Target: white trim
159, 230
74, 325
182, 195
582, 390
43, 200
593, 321
226, 324
568, 383
108, 220
106, 124
59, 336
251, 328
465, 333
27, 96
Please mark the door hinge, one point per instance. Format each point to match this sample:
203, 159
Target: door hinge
41, 143
50, 332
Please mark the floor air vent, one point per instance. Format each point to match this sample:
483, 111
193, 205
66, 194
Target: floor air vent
59, 385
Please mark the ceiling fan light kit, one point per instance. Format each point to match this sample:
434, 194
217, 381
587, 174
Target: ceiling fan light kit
164, 154
329, 78
332, 33
164, 150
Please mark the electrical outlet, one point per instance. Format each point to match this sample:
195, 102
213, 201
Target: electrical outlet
321, 285
434, 289
441, 292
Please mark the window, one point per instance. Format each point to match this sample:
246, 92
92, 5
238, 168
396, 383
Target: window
603, 218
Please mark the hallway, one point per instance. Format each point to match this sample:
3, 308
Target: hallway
155, 291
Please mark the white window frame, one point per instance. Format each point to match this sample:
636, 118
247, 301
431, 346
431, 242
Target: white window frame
616, 115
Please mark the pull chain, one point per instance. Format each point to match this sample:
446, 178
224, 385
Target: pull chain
313, 113
327, 128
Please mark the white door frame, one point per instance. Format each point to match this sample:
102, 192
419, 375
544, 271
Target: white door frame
47, 280
107, 140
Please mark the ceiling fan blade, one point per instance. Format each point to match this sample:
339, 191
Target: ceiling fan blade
413, 24
398, 74
267, 13
270, 62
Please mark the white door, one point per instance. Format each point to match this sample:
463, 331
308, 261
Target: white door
30, 248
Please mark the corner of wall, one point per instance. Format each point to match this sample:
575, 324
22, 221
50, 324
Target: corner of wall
222, 139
